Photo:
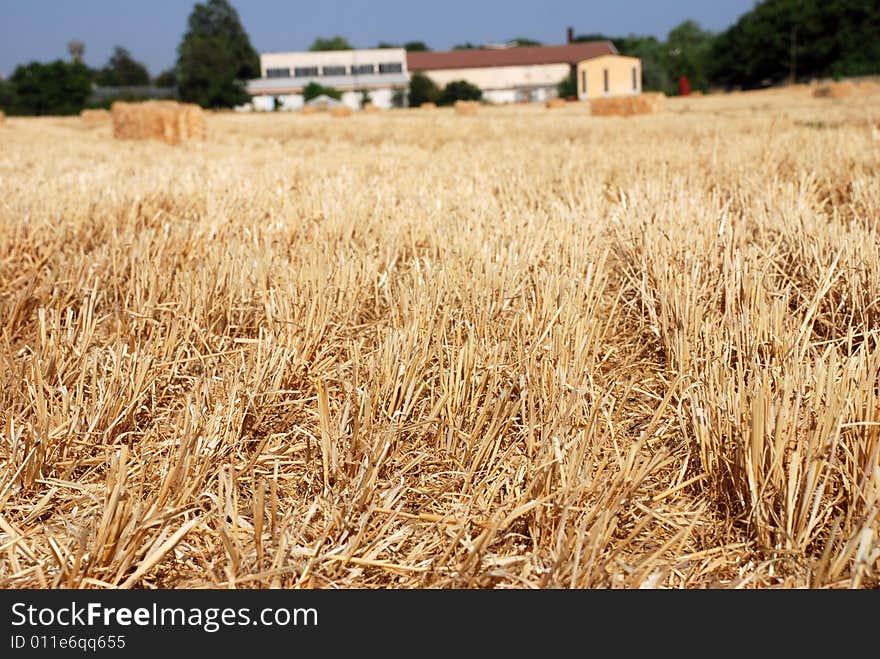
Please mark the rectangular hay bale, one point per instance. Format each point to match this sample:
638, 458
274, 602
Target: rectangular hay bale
556, 103
340, 111
428, 106
626, 106
168, 121
835, 90
466, 107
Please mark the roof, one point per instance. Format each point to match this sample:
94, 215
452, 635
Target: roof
476, 58
261, 86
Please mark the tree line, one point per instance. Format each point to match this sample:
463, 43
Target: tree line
775, 42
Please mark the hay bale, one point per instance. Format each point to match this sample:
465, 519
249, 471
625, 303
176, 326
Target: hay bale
428, 106
95, 116
835, 90
556, 103
369, 108
466, 107
626, 106
168, 121
340, 111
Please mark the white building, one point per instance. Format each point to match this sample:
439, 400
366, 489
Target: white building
381, 73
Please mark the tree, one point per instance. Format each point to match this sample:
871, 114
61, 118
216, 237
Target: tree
122, 70
398, 98
467, 45
797, 39
422, 90
333, 43
459, 90
365, 98
416, 47
313, 90
568, 85
166, 79
386, 44
8, 99
520, 42
215, 56
688, 49
56, 88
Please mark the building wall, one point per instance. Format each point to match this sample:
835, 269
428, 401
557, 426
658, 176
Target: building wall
504, 77
620, 76
320, 59
381, 98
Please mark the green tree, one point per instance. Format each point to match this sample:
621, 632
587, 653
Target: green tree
215, 57
333, 43
688, 50
519, 42
568, 85
166, 79
798, 39
8, 100
653, 54
467, 45
416, 47
122, 70
386, 44
459, 90
56, 88
422, 90
313, 90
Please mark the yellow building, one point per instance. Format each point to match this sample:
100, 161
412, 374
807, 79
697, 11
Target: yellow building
609, 75
521, 74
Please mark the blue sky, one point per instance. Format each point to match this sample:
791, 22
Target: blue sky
151, 29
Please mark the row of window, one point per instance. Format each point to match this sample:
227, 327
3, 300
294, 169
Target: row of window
606, 81
355, 69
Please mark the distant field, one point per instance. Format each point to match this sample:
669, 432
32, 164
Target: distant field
526, 348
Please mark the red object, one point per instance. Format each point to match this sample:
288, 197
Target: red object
684, 86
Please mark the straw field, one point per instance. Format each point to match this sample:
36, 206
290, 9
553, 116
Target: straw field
529, 350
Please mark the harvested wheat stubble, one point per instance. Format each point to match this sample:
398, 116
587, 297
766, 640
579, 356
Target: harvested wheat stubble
625, 106
340, 111
308, 109
428, 106
466, 107
96, 116
168, 121
556, 103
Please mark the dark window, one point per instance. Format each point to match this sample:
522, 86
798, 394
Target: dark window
584, 81
305, 71
277, 73
391, 67
361, 69
333, 71
606, 81
635, 78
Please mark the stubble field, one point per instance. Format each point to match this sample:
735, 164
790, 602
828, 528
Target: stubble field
519, 349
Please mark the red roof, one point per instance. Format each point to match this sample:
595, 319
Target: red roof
475, 58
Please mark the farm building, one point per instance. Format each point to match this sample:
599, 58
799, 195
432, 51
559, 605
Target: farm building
514, 75
381, 73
